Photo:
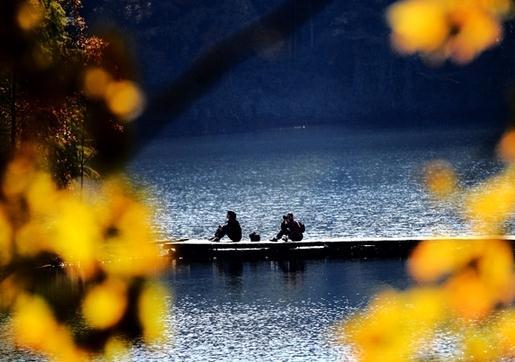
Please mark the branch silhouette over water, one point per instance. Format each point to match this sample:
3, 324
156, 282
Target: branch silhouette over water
260, 36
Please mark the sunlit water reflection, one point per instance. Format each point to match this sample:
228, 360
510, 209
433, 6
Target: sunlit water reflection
340, 183
268, 310
263, 310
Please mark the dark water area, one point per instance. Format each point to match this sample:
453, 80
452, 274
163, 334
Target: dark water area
263, 310
267, 310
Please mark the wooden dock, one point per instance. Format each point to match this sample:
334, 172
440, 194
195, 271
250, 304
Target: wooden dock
341, 247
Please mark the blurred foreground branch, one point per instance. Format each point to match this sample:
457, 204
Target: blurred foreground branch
464, 288
75, 271
265, 33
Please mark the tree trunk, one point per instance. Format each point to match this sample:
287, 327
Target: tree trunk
13, 110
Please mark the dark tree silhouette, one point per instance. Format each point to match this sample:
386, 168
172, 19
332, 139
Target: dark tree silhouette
209, 68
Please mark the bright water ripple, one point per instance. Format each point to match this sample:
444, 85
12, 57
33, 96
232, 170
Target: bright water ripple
339, 183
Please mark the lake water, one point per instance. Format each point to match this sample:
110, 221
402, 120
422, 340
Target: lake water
339, 183
267, 310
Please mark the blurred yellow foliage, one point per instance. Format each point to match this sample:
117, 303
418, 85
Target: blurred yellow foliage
506, 147
375, 334
478, 30
497, 7
35, 327
491, 204
41, 194
468, 296
108, 237
73, 263
74, 231
5, 239
151, 309
125, 99
115, 349
19, 174
495, 268
31, 239
433, 259
440, 29
467, 286
478, 346
126, 223
504, 331
395, 324
465, 282
112, 227
440, 179
30, 14
418, 25
96, 81
105, 304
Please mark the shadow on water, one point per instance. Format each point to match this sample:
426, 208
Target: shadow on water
271, 309
266, 309
285, 278
233, 270
293, 271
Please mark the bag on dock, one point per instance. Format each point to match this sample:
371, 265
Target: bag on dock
254, 236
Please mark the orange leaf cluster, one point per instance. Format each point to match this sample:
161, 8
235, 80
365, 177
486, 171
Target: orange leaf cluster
441, 29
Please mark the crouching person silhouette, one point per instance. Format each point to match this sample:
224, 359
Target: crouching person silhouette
291, 229
231, 228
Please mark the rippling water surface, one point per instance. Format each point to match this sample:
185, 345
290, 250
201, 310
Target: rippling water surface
339, 183
282, 310
267, 310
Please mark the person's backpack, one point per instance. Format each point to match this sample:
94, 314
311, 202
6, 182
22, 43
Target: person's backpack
254, 236
302, 227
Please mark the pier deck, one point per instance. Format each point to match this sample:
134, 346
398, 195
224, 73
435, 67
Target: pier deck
340, 247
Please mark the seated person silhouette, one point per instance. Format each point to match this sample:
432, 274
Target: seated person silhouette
231, 228
291, 229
